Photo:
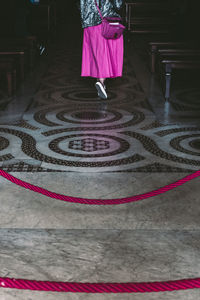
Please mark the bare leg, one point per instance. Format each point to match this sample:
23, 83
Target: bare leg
102, 80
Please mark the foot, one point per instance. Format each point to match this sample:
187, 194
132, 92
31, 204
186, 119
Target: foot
104, 88
101, 89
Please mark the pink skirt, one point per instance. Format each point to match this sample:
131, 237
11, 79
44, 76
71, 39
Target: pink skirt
101, 58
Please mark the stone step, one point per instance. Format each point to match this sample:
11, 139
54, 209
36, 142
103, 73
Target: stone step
177, 209
29, 295
99, 256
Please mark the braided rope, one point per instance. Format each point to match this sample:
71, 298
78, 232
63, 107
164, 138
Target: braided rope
135, 198
72, 287
90, 288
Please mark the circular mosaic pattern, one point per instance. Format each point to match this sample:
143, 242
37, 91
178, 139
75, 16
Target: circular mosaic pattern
29, 148
96, 142
138, 117
87, 95
176, 130
103, 116
195, 143
153, 148
81, 94
40, 117
4, 143
89, 115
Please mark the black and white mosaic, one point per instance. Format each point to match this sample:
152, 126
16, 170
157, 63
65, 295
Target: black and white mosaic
68, 128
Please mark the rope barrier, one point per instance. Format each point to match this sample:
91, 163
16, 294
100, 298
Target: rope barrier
61, 197
72, 287
92, 288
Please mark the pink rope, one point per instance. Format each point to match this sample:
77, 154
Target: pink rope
135, 198
90, 288
72, 287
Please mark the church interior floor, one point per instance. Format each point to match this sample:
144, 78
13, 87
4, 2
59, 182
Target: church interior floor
56, 133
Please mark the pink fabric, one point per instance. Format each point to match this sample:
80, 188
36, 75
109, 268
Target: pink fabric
101, 58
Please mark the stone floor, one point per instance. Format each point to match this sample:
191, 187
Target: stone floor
56, 133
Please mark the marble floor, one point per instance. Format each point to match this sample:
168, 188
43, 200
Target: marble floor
57, 133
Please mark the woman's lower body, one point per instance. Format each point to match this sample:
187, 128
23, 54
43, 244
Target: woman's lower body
101, 58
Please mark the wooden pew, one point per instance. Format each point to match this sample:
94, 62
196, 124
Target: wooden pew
155, 46
171, 65
8, 68
177, 59
17, 53
28, 43
149, 16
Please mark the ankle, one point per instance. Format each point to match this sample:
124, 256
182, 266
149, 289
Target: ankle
102, 80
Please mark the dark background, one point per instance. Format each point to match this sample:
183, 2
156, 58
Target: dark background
15, 17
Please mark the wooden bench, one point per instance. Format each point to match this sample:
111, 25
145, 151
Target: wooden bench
8, 67
17, 54
179, 59
28, 43
149, 17
155, 46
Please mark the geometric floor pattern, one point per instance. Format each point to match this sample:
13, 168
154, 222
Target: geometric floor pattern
59, 135
68, 128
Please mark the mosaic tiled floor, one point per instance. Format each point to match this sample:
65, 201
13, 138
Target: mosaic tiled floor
56, 133
66, 127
